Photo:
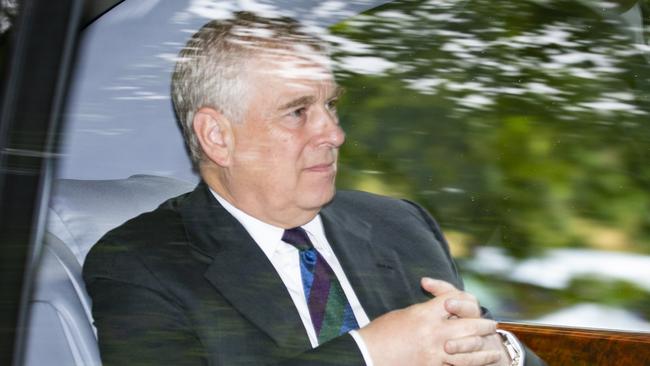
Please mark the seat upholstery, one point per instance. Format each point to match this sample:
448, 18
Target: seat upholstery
60, 330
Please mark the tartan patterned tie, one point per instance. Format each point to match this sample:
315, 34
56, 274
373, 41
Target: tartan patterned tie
330, 311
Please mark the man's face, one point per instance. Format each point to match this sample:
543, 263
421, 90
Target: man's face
286, 148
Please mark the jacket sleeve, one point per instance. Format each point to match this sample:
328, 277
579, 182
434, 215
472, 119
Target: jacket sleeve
139, 322
531, 359
341, 351
138, 326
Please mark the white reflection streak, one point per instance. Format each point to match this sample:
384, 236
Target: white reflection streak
106, 131
211, 9
329, 8
443, 17
367, 65
425, 85
397, 15
264, 10
620, 95
468, 86
474, 44
346, 45
570, 58
539, 88
443, 4
609, 106
551, 35
214, 9
475, 101
596, 316
294, 68
170, 57
560, 266
144, 97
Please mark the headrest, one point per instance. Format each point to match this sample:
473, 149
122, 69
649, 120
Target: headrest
82, 211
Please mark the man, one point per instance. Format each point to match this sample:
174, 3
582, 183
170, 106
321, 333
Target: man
264, 263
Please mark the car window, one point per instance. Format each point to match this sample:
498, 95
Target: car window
521, 126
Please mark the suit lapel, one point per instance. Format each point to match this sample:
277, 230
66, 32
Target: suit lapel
240, 271
375, 273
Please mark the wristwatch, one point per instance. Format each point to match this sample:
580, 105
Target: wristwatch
513, 347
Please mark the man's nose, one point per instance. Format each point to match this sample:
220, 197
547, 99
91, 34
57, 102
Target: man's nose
330, 131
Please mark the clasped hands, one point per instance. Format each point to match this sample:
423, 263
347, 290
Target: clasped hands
446, 330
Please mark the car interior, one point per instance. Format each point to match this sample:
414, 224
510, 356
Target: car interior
96, 187
85, 203
60, 330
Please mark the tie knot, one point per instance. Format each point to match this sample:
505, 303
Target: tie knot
298, 238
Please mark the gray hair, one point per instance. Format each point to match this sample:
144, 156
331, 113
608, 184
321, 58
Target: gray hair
211, 70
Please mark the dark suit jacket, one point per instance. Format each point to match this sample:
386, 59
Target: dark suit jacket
186, 284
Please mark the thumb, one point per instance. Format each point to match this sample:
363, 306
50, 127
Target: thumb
436, 287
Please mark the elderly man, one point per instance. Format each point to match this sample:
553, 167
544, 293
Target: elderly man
264, 263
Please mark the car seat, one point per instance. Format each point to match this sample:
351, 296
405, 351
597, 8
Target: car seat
59, 329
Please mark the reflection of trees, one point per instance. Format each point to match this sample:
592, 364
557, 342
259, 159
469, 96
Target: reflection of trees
523, 123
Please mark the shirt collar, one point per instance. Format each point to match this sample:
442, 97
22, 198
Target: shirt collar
268, 237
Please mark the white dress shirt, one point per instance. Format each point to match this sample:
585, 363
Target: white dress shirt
285, 259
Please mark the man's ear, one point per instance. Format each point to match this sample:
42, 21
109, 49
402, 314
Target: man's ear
215, 136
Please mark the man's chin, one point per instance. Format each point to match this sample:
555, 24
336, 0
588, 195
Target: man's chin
322, 198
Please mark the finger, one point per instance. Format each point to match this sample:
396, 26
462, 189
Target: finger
463, 308
460, 328
479, 358
465, 345
436, 287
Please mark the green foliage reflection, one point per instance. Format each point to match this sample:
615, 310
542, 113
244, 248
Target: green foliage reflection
523, 125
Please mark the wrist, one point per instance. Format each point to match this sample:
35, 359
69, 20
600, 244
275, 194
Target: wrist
512, 348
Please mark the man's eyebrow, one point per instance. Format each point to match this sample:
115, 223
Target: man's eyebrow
338, 92
298, 102
309, 99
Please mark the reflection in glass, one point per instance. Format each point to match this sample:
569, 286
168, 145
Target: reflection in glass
524, 128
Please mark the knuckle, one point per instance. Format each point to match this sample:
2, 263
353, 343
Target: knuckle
493, 326
493, 357
479, 343
451, 347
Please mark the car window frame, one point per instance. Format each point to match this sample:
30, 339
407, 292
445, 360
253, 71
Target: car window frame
39, 60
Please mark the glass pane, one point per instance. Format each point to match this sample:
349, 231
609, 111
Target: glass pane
523, 127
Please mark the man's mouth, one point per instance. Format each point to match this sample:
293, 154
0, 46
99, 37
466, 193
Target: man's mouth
322, 168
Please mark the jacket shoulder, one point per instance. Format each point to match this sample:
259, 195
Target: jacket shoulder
123, 251
157, 225
373, 205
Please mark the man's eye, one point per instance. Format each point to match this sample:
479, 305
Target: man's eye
331, 105
298, 113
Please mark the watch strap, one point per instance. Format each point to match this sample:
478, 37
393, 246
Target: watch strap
513, 347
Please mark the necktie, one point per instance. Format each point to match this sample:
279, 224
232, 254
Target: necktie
330, 311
